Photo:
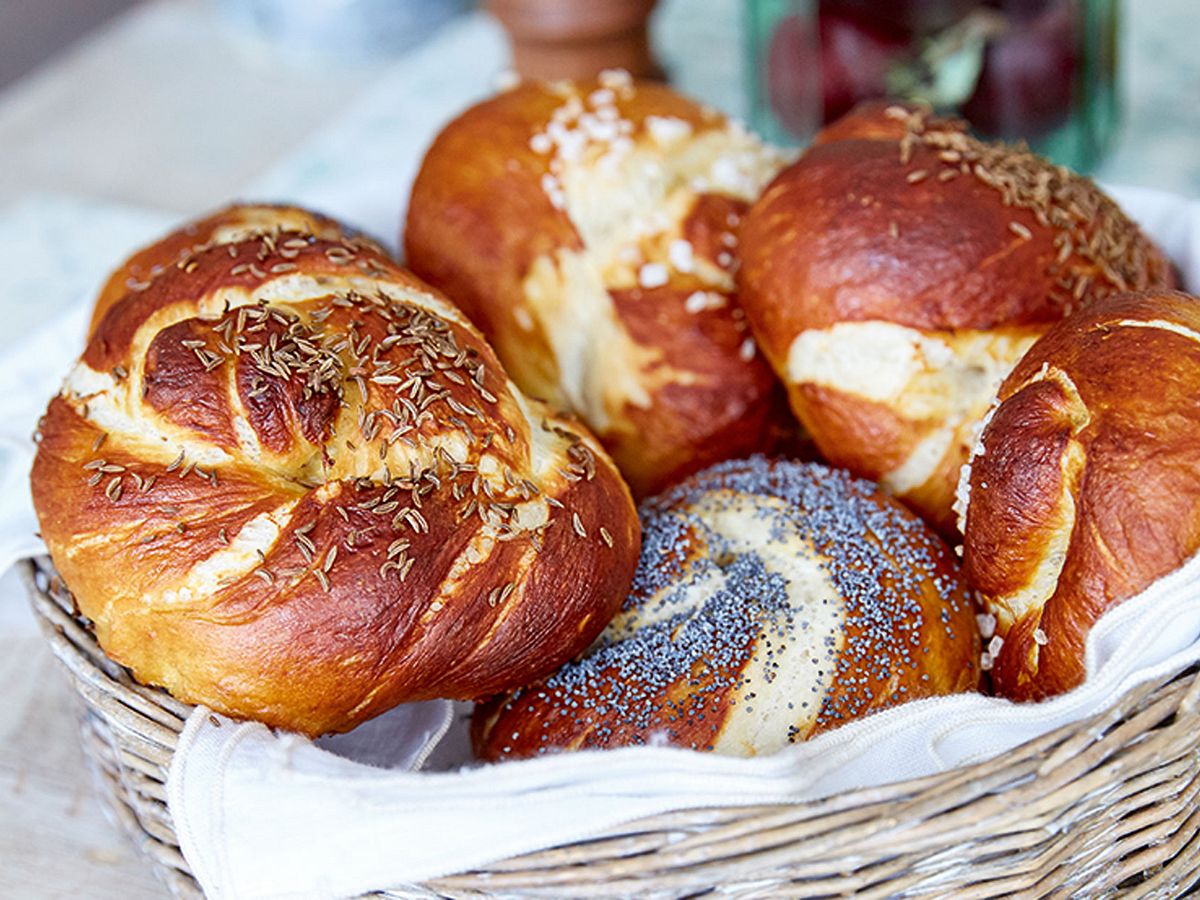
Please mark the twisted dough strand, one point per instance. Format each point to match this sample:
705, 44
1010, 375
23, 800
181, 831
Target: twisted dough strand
289, 481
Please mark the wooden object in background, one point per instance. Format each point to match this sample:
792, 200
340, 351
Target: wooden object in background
578, 38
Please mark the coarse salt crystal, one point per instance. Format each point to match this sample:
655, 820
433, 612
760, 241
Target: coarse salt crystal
987, 625
994, 646
570, 110
602, 97
615, 79
617, 151
746, 351
726, 174
571, 146
667, 130
1039, 637
681, 255
653, 275
541, 143
724, 259
553, 190
598, 129
702, 300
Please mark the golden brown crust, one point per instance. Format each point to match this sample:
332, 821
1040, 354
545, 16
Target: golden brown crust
183, 243
287, 480
1085, 486
827, 223
847, 422
868, 121
773, 601
481, 220
714, 419
897, 218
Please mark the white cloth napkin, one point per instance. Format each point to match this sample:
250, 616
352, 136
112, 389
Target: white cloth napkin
260, 815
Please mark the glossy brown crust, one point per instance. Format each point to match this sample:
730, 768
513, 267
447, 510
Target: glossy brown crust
715, 419
1096, 442
423, 580
817, 248
871, 225
869, 121
479, 217
183, 243
909, 616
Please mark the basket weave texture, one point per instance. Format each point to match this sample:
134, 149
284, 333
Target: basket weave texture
1105, 807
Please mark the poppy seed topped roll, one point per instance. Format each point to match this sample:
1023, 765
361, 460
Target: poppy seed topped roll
772, 601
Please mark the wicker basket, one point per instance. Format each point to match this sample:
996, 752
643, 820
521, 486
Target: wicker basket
1104, 807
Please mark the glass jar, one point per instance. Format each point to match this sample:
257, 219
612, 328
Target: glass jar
1042, 71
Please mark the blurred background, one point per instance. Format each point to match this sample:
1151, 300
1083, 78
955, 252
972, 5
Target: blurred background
176, 104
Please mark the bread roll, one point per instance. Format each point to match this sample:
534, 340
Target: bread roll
289, 481
589, 229
1084, 487
773, 601
896, 273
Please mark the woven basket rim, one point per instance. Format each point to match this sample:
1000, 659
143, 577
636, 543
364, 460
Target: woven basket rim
975, 830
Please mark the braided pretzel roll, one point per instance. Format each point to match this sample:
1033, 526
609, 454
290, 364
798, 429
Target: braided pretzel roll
225, 226
289, 481
773, 601
896, 273
1084, 487
589, 229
